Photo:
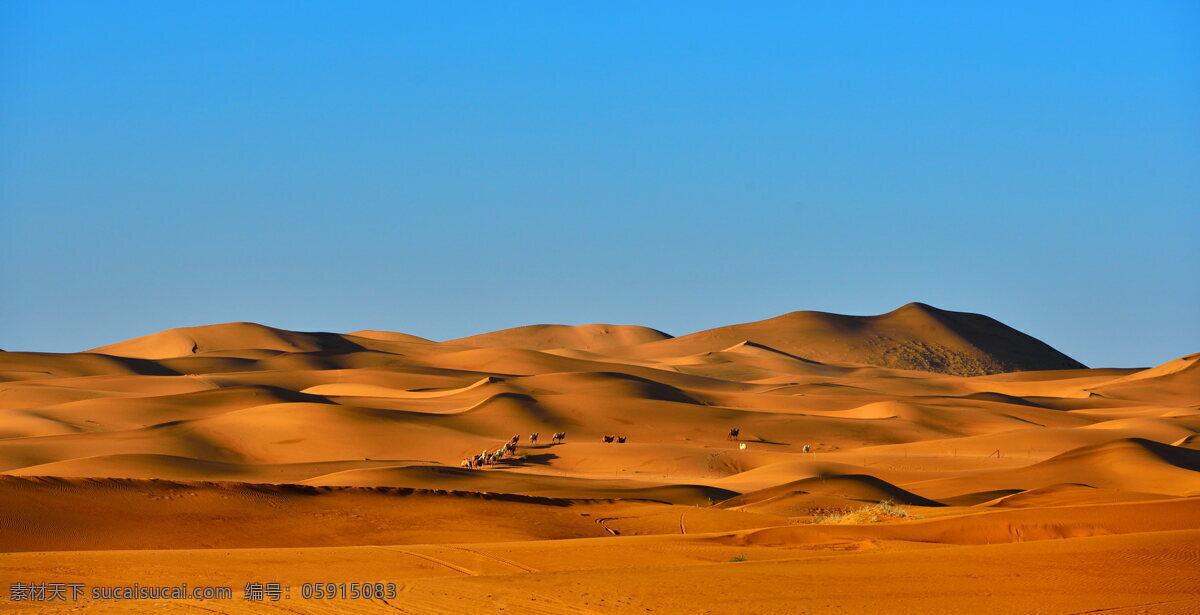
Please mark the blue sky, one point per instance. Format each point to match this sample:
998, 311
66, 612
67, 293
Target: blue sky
446, 168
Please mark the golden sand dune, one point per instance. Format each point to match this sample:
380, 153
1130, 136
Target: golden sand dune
224, 337
372, 390
501, 481
548, 337
388, 336
310, 454
1131, 464
915, 336
1175, 382
101, 514
1070, 494
799, 498
1001, 525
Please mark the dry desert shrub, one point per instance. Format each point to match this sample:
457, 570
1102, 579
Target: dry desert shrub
875, 513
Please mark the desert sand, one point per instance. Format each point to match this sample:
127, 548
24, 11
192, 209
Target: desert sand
1017, 480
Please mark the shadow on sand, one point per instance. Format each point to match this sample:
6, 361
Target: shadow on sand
526, 460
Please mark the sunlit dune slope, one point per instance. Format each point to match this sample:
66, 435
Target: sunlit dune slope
801, 497
577, 337
224, 337
1176, 382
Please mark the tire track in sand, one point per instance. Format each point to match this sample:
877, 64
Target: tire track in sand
430, 558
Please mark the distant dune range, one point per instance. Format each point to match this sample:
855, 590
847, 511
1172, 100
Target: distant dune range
258, 441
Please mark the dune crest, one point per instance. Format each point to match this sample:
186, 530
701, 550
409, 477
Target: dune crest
576, 337
225, 337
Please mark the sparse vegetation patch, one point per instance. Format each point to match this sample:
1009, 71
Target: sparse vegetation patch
875, 513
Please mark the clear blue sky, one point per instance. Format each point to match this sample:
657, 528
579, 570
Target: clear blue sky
445, 168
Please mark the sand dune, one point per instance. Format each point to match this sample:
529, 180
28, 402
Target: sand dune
90, 514
915, 336
1000, 525
579, 337
371, 390
389, 336
278, 448
1070, 494
501, 481
1174, 382
1130, 464
225, 337
799, 498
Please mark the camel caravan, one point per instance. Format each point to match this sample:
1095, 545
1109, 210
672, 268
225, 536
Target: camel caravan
505, 451
509, 449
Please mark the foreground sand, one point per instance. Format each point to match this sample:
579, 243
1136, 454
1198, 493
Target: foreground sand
236, 453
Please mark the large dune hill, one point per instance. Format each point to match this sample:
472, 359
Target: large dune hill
914, 336
576, 337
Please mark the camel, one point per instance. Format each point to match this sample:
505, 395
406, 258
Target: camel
620, 439
533, 438
734, 433
559, 436
608, 439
